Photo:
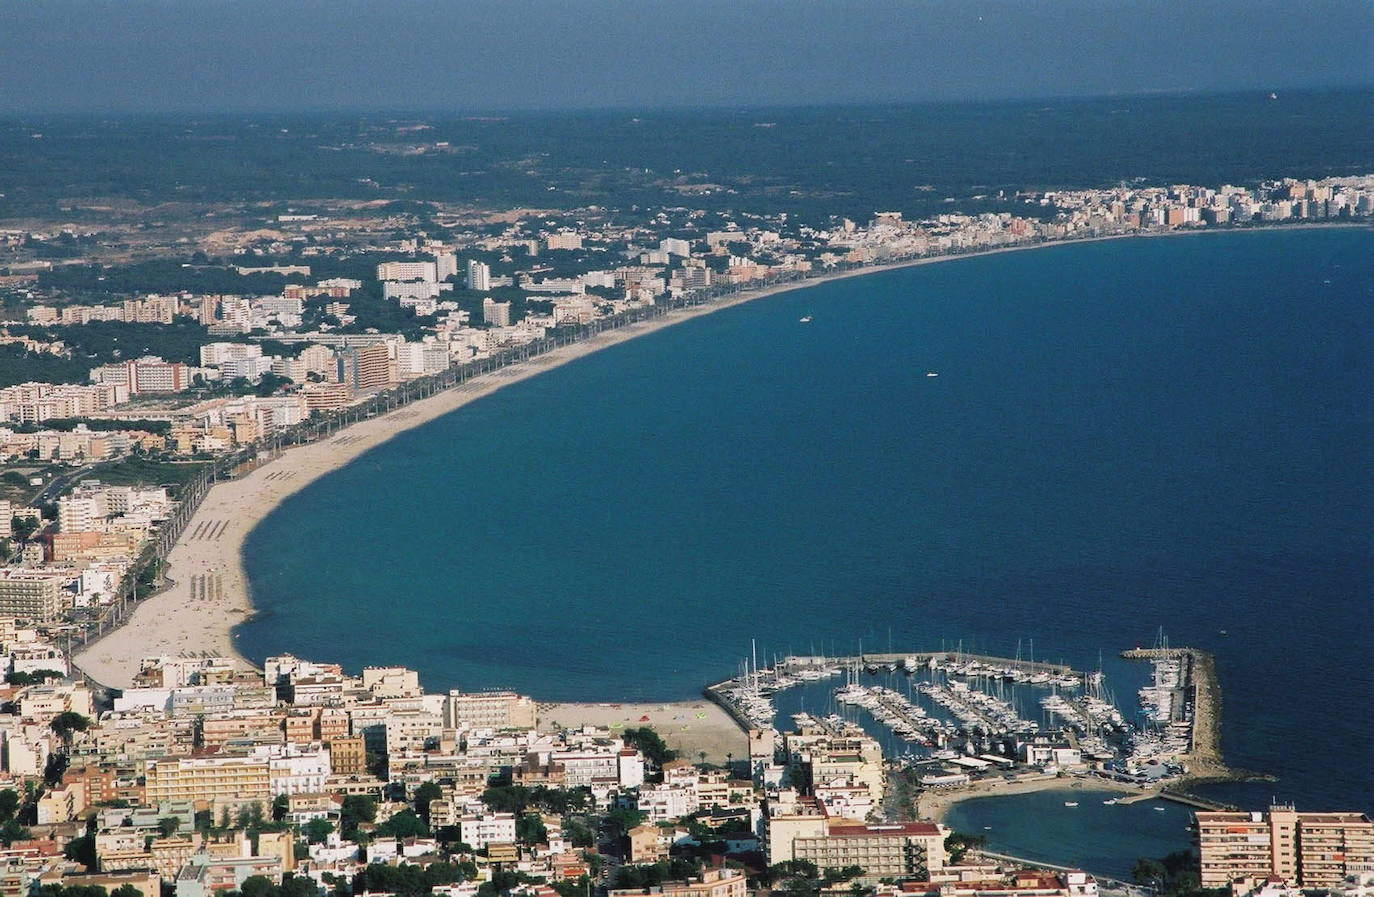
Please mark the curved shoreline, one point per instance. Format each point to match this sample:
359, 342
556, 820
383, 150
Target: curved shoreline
208, 593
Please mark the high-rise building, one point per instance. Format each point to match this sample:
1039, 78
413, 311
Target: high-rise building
364, 367
445, 265
33, 595
77, 515
1308, 850
478, 276
148, 374
497, 314
407, 271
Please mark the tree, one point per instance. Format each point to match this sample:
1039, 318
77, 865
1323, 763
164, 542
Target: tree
579, 888
9, 803
281, 805
68, 722
845, 873
57, 890
649, 744
23, 527
648, 876
317, 830
789, 869
270, 383
258, 886
578, 833
529, 829
404, 824
126, 890
626, 819
427, 793
168, 826
249, 817
507, 798
12, 831
408, 880
81, 850
957, 844
298, 886
1146, 871
35, 678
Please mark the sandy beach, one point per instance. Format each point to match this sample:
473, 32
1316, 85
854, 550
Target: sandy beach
935, 805
691, 727
207, 593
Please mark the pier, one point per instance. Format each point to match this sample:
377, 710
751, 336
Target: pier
925, 657
1200, 685
744, 698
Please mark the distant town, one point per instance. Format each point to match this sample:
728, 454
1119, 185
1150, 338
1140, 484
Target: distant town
125, 397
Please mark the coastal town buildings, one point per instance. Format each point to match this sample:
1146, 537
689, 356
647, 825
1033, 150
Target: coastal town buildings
902, 850
1308, 850
310, 743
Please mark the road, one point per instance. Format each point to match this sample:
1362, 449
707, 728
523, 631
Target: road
61, 481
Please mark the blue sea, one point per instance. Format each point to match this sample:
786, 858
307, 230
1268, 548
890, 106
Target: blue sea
1040, 826
1122, 436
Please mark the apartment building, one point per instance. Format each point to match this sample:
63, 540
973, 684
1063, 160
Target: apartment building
489, 710
1309, 850
903, 850
427, 271
492, 828
214, 779
34, 595
364, 367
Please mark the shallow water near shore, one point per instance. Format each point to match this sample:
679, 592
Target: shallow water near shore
1100, 838
1122, 436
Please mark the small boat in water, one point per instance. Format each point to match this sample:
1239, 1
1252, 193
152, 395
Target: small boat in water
806, 319
1070, 803
931, 374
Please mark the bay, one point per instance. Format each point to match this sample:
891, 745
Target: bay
1123, 435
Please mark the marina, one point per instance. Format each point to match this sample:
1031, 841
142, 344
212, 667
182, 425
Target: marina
960, 720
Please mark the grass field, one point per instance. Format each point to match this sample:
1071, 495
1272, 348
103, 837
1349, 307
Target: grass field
141, 471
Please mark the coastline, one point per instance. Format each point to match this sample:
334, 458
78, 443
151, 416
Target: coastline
934, 806
207, 593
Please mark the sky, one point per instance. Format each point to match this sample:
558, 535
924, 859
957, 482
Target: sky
463, 55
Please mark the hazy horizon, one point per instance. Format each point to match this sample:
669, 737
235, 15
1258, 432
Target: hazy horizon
437, 57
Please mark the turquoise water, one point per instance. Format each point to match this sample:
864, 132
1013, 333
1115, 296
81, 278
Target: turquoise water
1123, 435
1040, 827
